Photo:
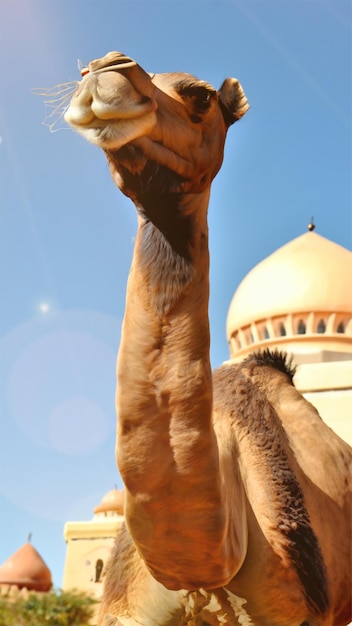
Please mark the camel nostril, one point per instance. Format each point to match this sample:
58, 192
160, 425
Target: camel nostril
111, 61
124, 59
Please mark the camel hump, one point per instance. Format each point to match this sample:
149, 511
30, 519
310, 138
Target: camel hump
276, 359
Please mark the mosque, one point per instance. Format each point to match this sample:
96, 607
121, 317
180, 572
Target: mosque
298, 299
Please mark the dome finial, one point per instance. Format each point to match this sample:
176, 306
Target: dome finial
311, 225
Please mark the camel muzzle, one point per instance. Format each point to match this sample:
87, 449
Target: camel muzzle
120, 63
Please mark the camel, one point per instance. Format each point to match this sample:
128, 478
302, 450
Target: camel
237, 495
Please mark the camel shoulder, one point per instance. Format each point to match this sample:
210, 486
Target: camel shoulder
271, 478
265, 382
275, 359
260, 367
258, 374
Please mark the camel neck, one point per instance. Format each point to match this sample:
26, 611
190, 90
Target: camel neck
171, 252
164, 401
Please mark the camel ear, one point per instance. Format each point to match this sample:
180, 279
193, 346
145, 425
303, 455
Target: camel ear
233, 101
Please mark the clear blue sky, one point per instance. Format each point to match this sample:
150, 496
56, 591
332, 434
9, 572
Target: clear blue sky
66, 233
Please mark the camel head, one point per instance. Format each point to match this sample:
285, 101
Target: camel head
167, 130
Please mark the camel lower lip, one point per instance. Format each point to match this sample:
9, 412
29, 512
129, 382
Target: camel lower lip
100, 112
110, 113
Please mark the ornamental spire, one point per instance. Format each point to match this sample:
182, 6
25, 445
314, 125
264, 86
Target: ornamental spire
311, 225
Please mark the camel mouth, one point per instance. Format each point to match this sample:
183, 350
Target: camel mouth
114, 102
117, 132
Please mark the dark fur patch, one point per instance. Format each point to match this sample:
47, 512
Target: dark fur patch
145, 181
156, 192
174, 228
280, 361
303, 547
253, 418
167, 235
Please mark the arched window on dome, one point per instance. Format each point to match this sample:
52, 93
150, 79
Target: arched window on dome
266, 333
238, 341
246, 337
321, 328
341, 328
301, 327
282, 330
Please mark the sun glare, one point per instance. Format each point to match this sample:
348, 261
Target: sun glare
44, 307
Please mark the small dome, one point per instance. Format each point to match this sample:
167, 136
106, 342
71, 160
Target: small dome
26, 568
112, 503
299, 294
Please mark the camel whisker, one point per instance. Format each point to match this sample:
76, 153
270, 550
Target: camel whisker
57, 98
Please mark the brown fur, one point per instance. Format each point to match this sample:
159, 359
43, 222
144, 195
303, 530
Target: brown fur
252, 416
230, 516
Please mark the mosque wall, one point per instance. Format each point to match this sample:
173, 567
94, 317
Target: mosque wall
328, 386
87, 552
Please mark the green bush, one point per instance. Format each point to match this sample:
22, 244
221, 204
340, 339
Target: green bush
56, 608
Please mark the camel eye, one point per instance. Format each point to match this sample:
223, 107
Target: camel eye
199, 96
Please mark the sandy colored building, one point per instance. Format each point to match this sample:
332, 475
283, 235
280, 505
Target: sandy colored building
88, 545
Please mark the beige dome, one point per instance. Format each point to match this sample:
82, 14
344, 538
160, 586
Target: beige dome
112, 503
300, 295
26, 568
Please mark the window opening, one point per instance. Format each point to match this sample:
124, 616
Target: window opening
282, 330
341, 328
301, 328
98, 570
321, 328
